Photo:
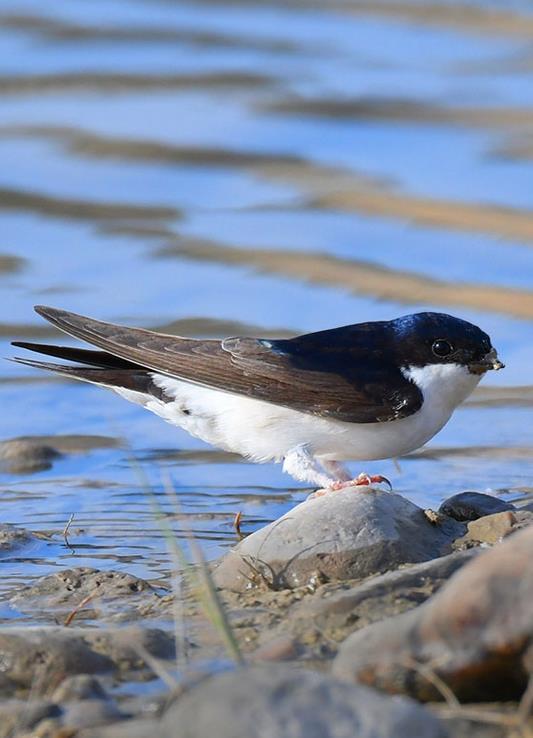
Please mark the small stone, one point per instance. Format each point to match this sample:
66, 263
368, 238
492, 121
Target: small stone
283, 648
11, 537
26, 456
435, 518
350, 534
467, 506
63, 591
494, 528
39, 657
125, 646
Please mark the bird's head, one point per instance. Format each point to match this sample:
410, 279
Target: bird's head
422, 339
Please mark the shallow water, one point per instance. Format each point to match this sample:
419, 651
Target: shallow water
154, 153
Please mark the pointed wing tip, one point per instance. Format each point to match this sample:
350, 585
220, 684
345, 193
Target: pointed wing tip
26, 345
46, 311
19, 360
35, 364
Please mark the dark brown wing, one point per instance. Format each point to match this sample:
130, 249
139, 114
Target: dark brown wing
321, 374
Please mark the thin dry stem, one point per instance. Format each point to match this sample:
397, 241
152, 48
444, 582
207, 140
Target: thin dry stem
428, 673
70, 617
212, 603
66, 530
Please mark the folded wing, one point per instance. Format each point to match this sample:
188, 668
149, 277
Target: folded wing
284, 372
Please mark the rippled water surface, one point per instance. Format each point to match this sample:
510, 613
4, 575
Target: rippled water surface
215, 169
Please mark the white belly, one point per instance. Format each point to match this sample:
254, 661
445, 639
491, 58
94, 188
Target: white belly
266, 432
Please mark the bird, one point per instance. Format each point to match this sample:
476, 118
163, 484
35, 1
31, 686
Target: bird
361, 392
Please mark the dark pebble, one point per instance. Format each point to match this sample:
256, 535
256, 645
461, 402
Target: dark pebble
467, 506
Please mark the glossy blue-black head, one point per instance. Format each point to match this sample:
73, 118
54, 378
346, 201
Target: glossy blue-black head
437, 338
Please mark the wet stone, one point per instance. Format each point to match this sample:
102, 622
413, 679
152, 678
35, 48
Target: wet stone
41, 659
110, 592
351, 534
26, 456
12, 537
474, 634
125, 646
467, 506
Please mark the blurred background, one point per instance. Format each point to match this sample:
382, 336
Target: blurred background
214, 168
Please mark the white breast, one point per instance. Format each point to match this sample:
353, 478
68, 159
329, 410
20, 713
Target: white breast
267, 432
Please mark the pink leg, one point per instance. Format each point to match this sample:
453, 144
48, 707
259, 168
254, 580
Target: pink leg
336, 471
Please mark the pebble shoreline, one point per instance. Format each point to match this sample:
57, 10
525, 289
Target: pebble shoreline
357, 613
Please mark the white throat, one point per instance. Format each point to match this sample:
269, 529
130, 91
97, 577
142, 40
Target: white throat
444, 385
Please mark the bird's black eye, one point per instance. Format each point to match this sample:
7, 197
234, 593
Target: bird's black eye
441, 348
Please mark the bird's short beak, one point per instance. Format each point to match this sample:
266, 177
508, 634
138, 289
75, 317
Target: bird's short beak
489, 361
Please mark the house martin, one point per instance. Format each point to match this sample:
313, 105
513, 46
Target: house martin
361, 392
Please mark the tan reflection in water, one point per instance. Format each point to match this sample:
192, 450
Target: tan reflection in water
106, 82
57, 29
362, 277
10, 264
403, 110
320, 186
464, 17
12, 199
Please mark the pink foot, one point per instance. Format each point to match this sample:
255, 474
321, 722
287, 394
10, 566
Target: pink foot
363, 480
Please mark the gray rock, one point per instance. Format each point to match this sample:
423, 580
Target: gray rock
111, 592
467, 506
473, 635
41, 658
36, 657
26, 456
350, 534
125, 646
30, 454
279, 701
12, 537
336, 611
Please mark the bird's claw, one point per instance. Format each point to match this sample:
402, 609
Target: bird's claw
362, 480
366, 479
